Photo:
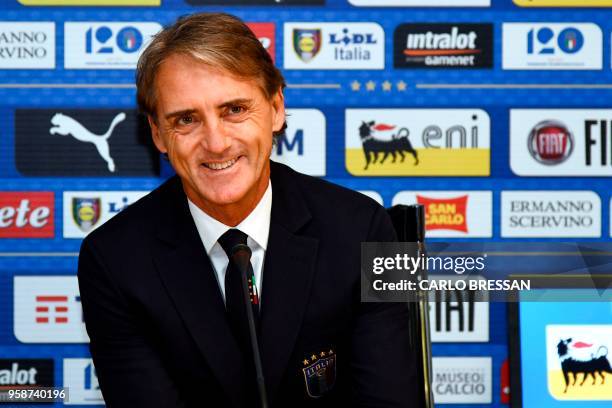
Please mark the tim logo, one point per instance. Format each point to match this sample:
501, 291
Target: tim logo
47, 309
51, 309
578, 362
303, 146
374, 149
83, 142
65, 125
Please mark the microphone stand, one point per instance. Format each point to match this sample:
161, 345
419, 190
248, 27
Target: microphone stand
241, 256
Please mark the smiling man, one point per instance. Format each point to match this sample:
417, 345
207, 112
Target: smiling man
162, 302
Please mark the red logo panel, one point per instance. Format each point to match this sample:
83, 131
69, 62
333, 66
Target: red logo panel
445, 213
27, 215
265, 33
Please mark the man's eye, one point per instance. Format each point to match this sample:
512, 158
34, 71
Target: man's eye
185, 120
235, 110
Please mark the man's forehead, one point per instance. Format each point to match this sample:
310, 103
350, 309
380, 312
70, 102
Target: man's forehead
184, 77
178, 65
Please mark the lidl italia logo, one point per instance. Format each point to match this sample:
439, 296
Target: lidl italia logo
417, 142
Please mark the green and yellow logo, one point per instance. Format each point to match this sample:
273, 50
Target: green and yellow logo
90, 2
417, 142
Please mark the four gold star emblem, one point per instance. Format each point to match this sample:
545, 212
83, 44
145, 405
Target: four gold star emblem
370, 86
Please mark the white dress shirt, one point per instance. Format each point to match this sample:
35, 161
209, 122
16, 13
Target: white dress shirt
256, 225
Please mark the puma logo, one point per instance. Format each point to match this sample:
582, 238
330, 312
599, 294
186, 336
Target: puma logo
65, 125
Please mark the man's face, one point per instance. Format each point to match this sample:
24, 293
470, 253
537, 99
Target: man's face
217, 131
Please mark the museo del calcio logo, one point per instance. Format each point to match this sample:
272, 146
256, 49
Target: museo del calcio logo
417, 142
334, 46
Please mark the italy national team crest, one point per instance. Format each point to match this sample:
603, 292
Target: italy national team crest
306, 43
319, 373
86, 212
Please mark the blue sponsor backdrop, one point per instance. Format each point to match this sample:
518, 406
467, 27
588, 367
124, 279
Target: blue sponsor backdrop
111, 89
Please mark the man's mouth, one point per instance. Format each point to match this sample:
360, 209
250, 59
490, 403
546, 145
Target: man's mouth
221, 165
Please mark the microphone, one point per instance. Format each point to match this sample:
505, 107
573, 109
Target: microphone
241, 257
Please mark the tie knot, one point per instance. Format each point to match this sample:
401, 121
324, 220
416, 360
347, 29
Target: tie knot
230, 239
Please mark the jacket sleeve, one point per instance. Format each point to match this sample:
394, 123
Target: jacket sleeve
130, 371
384, 371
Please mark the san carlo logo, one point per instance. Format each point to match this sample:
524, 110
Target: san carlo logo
550, 142
453, 214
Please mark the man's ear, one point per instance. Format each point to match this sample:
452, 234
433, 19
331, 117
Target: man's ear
278, 106
157, 138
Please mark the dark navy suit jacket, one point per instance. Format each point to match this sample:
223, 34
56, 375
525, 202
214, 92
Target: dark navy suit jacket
156, 317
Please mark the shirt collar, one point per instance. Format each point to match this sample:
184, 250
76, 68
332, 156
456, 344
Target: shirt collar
256, 225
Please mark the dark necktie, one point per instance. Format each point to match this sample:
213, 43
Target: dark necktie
234, 298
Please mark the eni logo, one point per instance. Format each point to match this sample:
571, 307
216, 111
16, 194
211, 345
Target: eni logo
65, 125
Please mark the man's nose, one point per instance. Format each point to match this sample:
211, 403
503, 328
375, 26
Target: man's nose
214, 137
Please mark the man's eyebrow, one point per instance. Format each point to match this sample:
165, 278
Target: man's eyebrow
237, 101
179, 113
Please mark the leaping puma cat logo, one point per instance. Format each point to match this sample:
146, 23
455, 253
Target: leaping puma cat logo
65, 125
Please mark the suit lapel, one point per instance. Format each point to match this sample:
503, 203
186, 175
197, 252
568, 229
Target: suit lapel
287, 277
188, 276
